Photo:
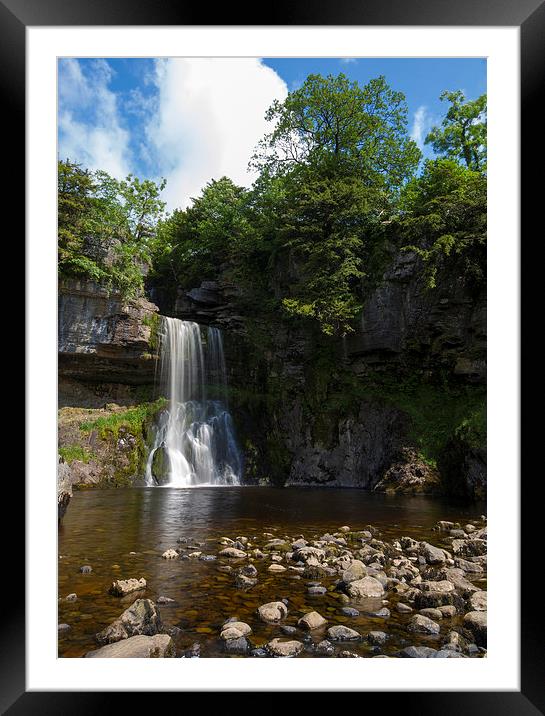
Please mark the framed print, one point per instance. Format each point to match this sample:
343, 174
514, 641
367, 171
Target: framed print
270, 354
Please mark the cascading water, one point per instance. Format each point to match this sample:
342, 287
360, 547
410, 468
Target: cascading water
194, 440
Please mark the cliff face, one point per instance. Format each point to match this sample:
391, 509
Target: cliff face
103, 340
307, 410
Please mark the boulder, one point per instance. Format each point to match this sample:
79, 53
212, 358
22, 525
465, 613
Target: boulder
141, 618
356, 571
272, 612
137, 647
279, 648
366, 587
477, 602
121, 587
342, 633
232, 553
422, 625
312, 620
476, 623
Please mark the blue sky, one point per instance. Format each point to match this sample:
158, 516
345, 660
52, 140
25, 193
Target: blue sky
193, 119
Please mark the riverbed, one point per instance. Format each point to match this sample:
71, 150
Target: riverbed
123, 533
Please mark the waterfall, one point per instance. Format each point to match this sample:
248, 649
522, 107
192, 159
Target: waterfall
194, 440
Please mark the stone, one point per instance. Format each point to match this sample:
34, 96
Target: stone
276, 568
383, 613
272, 612
403, 608
140, 647
316, 591
71, 597
234, 630
312, 620
433, 555
242, 582
448, 610
422, 625
356, 571
345, 528
366, 587
477, 602
289, 649
417, 652
241, 645
86, 569
248, 570
448, 654
121, 587
288, 630
325, 648
340, 632
170, 554
259, 653
378, 638
141, 618
476, 623
350, 612
432, 613
232, 553
165, 600
63, 628
467, 566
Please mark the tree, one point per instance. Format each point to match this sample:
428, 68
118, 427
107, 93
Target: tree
463, 133
444, 218
337, 125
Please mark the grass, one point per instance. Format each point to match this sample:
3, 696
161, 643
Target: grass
132, 419
69, 453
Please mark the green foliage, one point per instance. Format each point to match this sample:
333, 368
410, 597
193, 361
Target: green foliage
132, 419
106, 227
463, 133
444, 216
69, 453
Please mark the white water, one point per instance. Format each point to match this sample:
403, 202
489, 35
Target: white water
195, 432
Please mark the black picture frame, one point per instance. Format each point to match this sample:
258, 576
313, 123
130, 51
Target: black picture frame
529, 15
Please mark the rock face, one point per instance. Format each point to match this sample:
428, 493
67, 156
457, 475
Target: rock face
137, 647
102, 338
141, 618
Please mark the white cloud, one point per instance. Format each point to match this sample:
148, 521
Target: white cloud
422, 123
94, 135
348, 60
209, 118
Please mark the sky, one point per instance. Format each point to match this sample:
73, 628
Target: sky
191, 120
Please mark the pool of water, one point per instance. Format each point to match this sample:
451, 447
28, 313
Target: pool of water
123, 533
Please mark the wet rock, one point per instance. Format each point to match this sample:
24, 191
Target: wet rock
350, 612
62, 628
71, 597
141, 618
170, 554
312, 620
433, 555
207, 557
86, 569
259, 653
378, 638
476, 623
383, 613
355, 572
422, 625
345, 528
417, 652
272, 612
366, 587
348, 655
447, 611
232, 553
165, 600
279, 648
139, 647
469, 547
234, 630
431, 613
447, 654
276, 568
403, 608
316, 591
288, 630
477, 602
237, 646
325, 648
121, 587
194, 651
242, 582
248, 570
342, 633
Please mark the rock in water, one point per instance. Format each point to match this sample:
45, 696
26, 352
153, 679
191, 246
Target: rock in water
476, 623
342, 633
312, 620
277, 648
125, 586
272, 611
422, 625
141, 618
366, 587
137, 647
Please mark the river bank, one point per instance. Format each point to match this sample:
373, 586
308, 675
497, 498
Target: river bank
390, 575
